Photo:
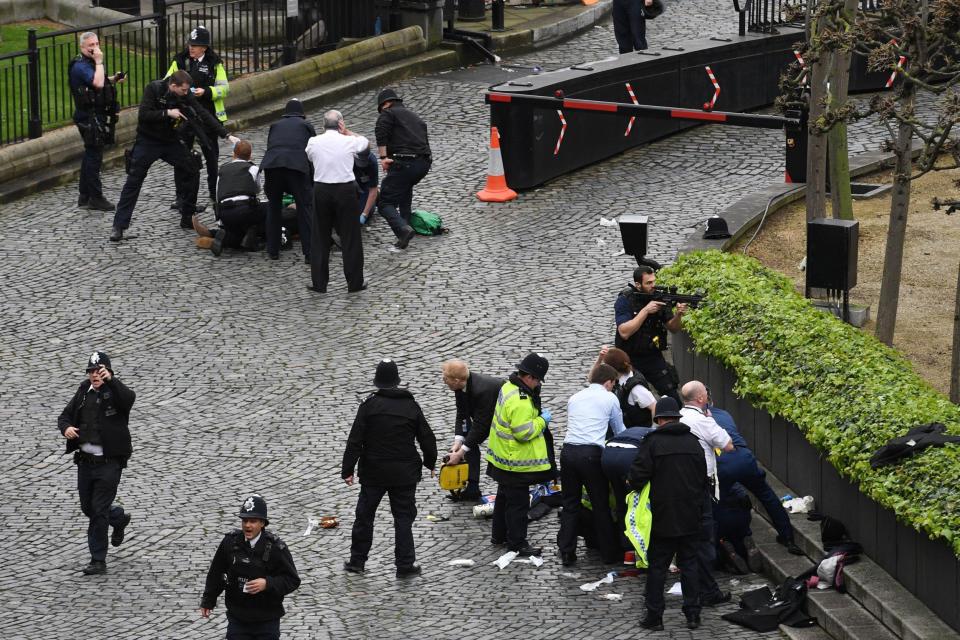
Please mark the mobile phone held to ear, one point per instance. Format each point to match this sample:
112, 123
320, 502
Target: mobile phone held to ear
121, 75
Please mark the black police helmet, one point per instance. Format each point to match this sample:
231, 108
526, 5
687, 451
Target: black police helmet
98, 359
385, 95
716, 228
535, 365
200, 37
667, 408
254, 507
387, 376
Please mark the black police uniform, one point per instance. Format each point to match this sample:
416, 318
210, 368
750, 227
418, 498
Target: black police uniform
96, 114
203, 72
102, 418
251, 615
404, 135
159, 137
286, 169
646, 346
240, 213
382, 442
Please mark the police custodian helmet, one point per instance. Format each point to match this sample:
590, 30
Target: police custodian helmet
254, 507
535, 365
386, 95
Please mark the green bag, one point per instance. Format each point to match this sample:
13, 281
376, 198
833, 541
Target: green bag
639, 521
426, 223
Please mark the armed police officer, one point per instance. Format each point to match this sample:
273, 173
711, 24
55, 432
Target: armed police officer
642, 325
95, 424
256, 570
168, 111
96, 114
210, 87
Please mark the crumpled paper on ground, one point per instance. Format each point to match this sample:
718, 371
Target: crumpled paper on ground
676, 589
461, 562
592, 586
567, 574
505, 559
311, 523
536, 561
604, 222
616, 597
799, 505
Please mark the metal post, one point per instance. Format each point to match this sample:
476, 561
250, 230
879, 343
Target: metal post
255, 10
289, 35
497, 11
34, 124
163, 56
796, 149
395, 15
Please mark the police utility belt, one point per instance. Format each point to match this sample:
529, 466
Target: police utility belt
82, 457
411, 156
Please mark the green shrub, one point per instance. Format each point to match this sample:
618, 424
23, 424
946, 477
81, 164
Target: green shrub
846, 391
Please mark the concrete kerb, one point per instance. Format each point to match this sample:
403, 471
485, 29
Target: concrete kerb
547, 34
43, 162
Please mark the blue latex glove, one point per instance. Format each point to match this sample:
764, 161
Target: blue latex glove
546, 415
363, 219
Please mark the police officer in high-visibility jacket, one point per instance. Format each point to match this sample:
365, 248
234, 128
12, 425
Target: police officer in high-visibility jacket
519, 453
210, 87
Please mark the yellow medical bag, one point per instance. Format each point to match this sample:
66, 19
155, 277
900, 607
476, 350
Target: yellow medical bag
453, 477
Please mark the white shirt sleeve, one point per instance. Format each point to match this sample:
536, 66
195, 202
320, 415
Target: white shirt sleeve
641, 396
360, 143
718, 436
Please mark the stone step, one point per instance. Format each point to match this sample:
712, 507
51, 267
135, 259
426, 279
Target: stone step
873, 596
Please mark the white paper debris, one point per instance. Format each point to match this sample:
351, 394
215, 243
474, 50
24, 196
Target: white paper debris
311, 523
592, 586
676, 590
607, 223
461, 562
505, 559
616, 597
567, 574
536, 561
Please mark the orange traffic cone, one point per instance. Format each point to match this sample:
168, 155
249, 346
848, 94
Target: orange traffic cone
496, 189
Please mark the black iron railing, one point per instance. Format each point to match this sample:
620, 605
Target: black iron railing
767, 16
249, 35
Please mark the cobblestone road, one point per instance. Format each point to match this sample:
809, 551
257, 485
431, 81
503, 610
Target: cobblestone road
247, 382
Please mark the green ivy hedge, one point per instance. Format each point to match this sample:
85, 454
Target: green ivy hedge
846, 391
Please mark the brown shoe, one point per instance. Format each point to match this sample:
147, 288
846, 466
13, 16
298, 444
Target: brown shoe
201, 229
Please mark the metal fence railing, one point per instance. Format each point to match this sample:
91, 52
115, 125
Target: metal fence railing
767, 16
249, 35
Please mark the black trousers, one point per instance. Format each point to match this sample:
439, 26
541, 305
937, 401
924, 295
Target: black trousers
90, 184
267, 630
335, 207
403, 506
472, 459
276, 183
145, 153
655, 369
629, 25
510, 515
580, 467
660, 553
211, 158
239, 217
97, 484
396, 190
707, 547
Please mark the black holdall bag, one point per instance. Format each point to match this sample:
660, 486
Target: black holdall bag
653, 10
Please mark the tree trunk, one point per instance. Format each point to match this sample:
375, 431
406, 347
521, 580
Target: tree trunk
841, 199
816, 144
896, 233
955, 361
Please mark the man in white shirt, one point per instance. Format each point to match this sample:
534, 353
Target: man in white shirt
335, 202
696, 415
590, 413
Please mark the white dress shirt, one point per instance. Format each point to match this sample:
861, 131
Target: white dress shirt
640, 396
712, 436
589, 413
331, 153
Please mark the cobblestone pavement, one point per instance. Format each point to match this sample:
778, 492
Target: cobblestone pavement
247, 382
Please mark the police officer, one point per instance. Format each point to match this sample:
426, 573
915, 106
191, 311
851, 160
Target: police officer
209, 87
405, 158
642, 330
630, 24
96, 114
256, 570
286, 169
240, 214
167, 112
382, 441
366, 174
95, 424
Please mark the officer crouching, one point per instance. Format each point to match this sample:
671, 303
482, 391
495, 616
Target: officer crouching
256, 570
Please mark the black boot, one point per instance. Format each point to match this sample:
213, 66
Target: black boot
249, 242
99, 203
116, 234
652, 622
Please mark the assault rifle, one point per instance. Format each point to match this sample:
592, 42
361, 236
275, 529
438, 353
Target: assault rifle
666, 295
192, 119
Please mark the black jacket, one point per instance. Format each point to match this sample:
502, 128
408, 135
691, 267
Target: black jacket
671, 459
382, 440
402, 131
287, 144
204, 74
235, 563
116, 400
475, 405
153, 122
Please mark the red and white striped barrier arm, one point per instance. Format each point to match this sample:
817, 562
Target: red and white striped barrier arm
707, 106
632, 118
563, 129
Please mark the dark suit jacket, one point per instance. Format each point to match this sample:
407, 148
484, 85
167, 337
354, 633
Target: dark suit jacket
287, 144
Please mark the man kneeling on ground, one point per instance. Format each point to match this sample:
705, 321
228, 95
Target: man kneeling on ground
241, 216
